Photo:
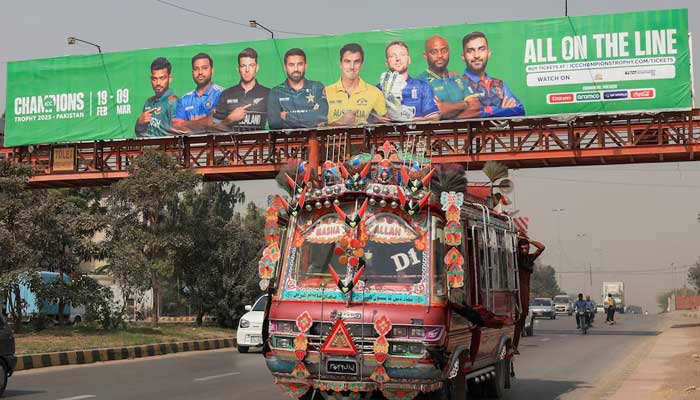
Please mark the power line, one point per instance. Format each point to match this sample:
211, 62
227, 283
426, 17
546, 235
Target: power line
646, 170
548, 178
631, 271
247, 25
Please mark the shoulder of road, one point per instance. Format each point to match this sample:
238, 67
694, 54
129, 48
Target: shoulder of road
668, 367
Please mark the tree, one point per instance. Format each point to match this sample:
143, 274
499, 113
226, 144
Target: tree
64, 224
238, 256
544, 282
694, 276
139, 231
16, 203
203, 216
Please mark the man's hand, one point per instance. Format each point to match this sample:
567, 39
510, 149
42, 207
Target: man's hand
473, 103
283, 115
508, 102
347, 119
393, 84
237, 114
473, 107
146, 116
440, 106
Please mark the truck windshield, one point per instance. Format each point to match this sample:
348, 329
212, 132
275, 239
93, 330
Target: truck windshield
389, 253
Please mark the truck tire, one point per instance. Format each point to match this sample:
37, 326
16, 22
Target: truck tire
242, 349
3, 377
494, 388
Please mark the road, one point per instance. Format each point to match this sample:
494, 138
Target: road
558, 362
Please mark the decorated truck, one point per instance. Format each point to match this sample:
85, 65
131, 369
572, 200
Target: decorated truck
389, 276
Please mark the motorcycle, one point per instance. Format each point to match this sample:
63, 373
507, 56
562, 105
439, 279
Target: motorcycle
584, 320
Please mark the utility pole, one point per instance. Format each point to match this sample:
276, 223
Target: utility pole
560, 267
673, 287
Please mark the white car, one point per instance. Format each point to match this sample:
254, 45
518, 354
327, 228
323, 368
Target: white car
249, 333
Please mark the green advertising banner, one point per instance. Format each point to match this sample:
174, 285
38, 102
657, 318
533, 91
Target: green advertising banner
614, 63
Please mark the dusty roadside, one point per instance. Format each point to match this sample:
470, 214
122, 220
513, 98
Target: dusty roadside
667, 368
684, 380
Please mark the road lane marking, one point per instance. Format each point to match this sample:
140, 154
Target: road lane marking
208, 378
85, 396
545, 340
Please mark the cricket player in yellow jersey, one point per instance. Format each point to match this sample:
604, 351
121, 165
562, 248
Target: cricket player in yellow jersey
351, 101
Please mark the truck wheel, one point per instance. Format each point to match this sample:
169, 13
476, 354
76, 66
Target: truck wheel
475, 390
494, 388
77, 319
3, 378
242, 349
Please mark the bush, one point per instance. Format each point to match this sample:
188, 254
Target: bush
40, 321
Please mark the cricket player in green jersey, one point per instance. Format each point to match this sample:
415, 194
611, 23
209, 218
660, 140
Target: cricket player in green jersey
297, 102
159, 109
452, 93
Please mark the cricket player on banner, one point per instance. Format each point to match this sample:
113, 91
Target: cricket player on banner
406, 98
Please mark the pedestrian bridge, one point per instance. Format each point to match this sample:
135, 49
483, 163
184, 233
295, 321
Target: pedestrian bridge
516, 142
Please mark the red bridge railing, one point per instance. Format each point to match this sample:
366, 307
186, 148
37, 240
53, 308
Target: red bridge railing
519, 143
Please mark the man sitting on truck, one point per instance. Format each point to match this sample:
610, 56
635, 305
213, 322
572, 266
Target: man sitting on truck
526, 264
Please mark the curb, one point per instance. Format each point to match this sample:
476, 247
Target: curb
76, 357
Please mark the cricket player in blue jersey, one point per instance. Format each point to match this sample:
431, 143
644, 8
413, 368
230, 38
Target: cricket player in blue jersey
406, 98
194, 110
297, 102
497, 100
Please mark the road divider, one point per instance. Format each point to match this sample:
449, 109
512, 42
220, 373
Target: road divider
76, 357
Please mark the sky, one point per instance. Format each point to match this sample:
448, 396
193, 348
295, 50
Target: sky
628, 222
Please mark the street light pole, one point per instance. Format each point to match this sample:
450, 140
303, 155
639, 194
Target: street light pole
589, 251
560, 267
73, 40
255, 24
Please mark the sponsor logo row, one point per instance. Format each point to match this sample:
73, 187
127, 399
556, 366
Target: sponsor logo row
581, 97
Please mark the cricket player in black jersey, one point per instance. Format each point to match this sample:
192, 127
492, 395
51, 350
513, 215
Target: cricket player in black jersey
243, 107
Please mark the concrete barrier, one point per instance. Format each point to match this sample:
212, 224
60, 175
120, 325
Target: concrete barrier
75, 357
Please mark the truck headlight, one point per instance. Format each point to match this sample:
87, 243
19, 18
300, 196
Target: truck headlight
283, 343
244, 323
398, 348
399, 331
417, 332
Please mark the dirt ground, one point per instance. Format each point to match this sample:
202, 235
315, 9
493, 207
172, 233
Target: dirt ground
684, 382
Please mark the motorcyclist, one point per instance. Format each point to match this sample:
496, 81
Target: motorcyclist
591, 307
584, 306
